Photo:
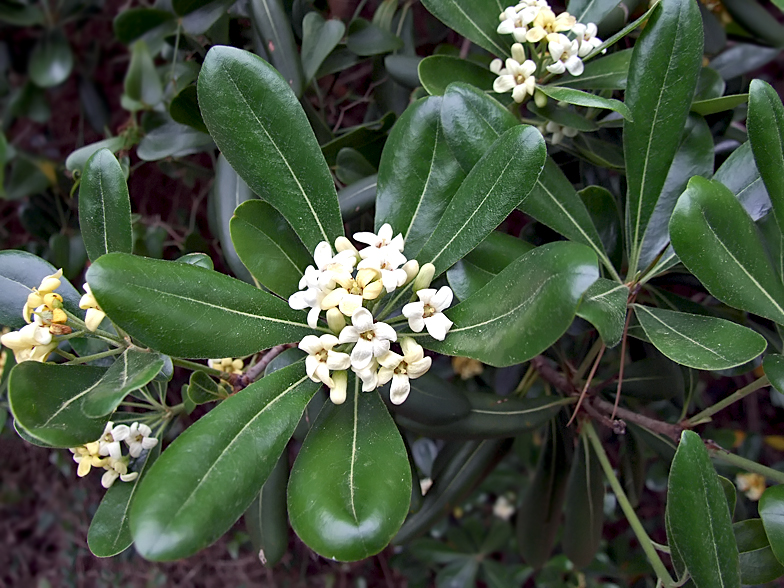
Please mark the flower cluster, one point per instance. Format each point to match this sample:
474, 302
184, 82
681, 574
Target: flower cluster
106, 452
342, 284
533, 22
227, 365
94, 314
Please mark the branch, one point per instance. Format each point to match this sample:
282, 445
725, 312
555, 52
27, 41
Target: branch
671, 431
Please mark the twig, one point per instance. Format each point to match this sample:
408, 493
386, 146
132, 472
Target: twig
549, 374
587, 383
257, 369
671, 431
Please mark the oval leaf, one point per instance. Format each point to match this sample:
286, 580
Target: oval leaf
211, 473
476, 21
766, 134
350, 486
606, 73
580, 98
604, 306
438, 71
740, 174
51, 60
432, 401
319, 38
771, 509
266, 520
270, 19
758, 565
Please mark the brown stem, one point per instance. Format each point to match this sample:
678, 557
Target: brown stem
552, 376
671, 431
587, 383
256, 370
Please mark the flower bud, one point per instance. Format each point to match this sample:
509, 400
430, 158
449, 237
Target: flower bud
335, 320
540, 98
411, 267
343, 244
337, 394
424, 277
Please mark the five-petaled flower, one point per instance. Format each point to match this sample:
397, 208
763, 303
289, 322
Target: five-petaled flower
402, 368
322, 358
109, 443
139, 439
372, 339
427, 312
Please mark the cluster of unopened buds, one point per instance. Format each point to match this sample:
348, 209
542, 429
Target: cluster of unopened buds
43, 312
342, 284
106, 452
534, 23
227, 365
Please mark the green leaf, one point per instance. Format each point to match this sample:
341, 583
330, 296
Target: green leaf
718, 242
524, 309
351, 166
765, 125
184, 7
721, 104
564, 116
700, 342
477, 21
359, 197
694, 157
132, 370
653, 378
583, 507
132, 23
45, 400
202, 389
199, 259
604, 306
188, 311
21, 15
436, 72
104, 206
270, 19
758, 564
365, 39
756, 19
403, 69
580, 98
142, 83
730, 493
417, 176
319, 38
491, 416
699, 518
606, 73
472, 121
262, 131
539, 515
266, 520
51, 60
21, 271
172, 140
77, 159
184, 109
211, 473
605, 214
554, 202
740, 174
110, 529
773, 365
771, 510
591, 10
433, 401
496, 184
350, 486
269, 247
663, 73
367, 138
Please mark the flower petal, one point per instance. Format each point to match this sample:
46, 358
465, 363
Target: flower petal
400, 388
362, 320
438, 326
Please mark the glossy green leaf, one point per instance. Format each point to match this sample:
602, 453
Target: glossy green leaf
172, 140
539, 515
756, 19
228, 192
699, 518
366, 38
104, 206
184, 109
367, 138
202, 389
432, 401
359, 197
351, 166
266, 520
482, 264
262, 131
436, 72
721, 104
417, 176
766, 135
472, 121
730, 493
606, 73
583, 507
188, 311
465, 465
580, 98
491, 416
268, 247
77, 159
653, 378
496, 184
476, 21
132, 370
403, 69
771, 510
524, 309
319, 38
110, 529
758, 564
51, 60
774, 370
591, 10
141, 80
566, 117
45, 400
21, 271
199, 259
606, 216
132, 23
694, 157
554, 202
700, 342
270, 19
740, 174
663, 73
604, 306
710, 84
718, 242
211, 473
350, 487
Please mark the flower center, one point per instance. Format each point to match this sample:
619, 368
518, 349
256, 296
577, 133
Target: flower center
367, 335
401, 368
428, 312
322, 355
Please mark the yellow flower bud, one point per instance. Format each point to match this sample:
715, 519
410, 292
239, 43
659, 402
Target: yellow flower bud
411, 267
424, 277
540, 98
335, 320
337, 393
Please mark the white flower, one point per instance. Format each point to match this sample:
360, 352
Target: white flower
117, 468
427, 312
546, 22
586, 36
515, 21
322, 359
310, 298
558, 132
368, 375
400, 369
379, 242
327, 267
353, 291
109, 443
94, 314
87, 457
337, 393
32, 342
503, 509
387, 262
564, 53
518, 75
36, 298
139, 439
372, 339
